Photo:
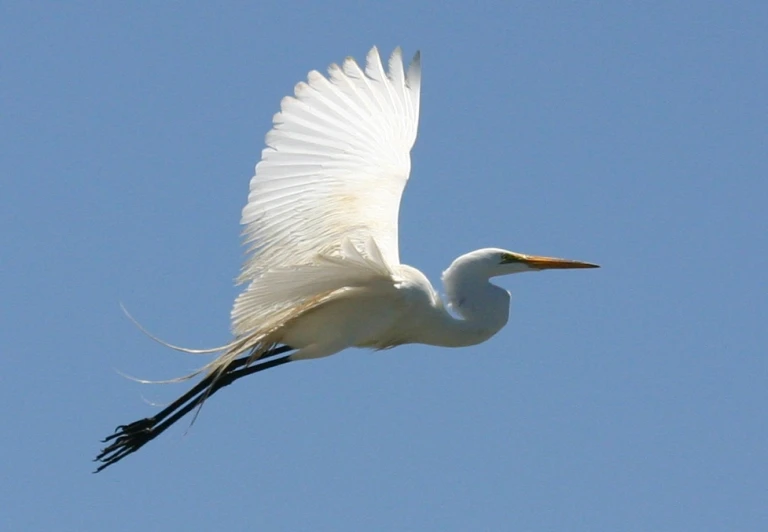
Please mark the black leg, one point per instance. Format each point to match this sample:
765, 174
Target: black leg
130, 438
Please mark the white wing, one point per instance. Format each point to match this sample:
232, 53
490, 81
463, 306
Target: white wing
332, 175
337, 161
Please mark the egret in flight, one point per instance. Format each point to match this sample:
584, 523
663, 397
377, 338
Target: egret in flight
323, 271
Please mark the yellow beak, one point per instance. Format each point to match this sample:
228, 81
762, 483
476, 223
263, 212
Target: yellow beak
552, 263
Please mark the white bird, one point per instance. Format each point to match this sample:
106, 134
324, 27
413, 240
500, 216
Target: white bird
324, 273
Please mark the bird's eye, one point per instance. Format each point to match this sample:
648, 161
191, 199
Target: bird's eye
507, 258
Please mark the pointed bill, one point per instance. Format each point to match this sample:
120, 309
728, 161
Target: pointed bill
552, 263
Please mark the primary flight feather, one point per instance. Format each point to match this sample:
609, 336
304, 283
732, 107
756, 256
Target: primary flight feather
323, 271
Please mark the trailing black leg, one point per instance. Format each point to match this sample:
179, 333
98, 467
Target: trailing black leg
130, 438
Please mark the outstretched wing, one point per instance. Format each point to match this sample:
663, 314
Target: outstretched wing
335, 166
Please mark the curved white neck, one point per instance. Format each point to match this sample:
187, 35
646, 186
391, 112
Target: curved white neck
483, 307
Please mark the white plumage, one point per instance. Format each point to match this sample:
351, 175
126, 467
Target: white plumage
321, 225
336, 163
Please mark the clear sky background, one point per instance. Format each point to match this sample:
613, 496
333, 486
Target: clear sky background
633, 398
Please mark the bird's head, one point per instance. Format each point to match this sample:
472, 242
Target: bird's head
492, 262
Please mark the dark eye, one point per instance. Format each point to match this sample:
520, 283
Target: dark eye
507, 258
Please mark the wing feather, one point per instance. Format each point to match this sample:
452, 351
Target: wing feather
334, 169
267, 303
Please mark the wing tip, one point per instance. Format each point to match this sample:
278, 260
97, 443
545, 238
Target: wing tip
373, 58
414, 71
373, 52
416, 61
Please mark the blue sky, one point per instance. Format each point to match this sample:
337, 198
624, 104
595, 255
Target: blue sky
630, 398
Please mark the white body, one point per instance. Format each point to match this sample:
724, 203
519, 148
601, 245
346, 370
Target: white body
324, 272
400, 309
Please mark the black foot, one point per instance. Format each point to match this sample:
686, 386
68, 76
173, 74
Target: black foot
125, 440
